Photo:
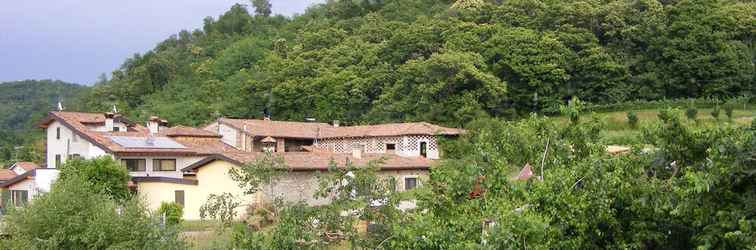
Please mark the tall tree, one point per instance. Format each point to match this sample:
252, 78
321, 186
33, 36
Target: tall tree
262, 7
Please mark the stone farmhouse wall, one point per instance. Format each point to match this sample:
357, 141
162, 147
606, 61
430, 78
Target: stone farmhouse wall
405, 145
301, 186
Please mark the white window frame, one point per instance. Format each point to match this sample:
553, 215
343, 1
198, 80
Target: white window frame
404, 181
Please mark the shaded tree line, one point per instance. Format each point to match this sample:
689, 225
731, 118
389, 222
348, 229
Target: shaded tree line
442, 61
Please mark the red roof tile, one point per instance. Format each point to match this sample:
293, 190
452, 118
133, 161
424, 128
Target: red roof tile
277, 129
264, 128
76, 122
389, 129
6, 174
181, 131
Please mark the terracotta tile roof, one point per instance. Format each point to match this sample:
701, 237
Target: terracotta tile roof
277, 129
181, 131
19, 178
318, 161
75, 121
389, 129
25, 165
88, 118
6, 174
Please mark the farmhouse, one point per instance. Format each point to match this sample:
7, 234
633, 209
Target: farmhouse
186, 165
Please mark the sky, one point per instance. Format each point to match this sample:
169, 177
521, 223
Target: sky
77, 40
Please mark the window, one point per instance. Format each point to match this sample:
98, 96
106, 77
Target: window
57, 161
135, 165
164, 165
390, 147
179, 197
57, 133
19, 198
74, 156
116, 129
424, 149
75, 138
410, 183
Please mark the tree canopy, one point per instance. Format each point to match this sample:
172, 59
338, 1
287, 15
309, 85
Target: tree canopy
442, 61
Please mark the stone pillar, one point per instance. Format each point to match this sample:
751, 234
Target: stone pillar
280, 145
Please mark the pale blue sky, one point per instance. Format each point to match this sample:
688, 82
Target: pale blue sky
76, 40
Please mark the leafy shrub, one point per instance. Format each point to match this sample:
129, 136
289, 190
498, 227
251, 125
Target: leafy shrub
715, 112
172, 212
632, 119
75, 215
729, 108
104, 174
221, 207
242, 237
691, 113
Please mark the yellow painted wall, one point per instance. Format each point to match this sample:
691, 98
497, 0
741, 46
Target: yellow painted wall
213, 179
154, 193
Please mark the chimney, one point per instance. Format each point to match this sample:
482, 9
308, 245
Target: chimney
357, 151
109, 121
335, 123
153, 124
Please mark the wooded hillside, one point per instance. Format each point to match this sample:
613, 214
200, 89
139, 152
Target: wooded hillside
22, 104
440, 61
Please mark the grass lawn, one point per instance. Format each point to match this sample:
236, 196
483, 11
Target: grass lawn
203, 234
618, 131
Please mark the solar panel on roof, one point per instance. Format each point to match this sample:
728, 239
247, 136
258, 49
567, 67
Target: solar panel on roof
146, 142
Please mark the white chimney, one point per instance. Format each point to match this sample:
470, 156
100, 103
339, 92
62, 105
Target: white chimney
357, 151
153, 124
335, 123
109, 121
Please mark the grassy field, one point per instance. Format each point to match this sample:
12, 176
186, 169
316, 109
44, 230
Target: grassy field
618, 131
204, 234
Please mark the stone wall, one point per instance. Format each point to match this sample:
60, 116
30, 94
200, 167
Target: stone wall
302, 186
405, 145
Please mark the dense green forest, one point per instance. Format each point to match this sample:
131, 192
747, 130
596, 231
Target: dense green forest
22, 104
442, 61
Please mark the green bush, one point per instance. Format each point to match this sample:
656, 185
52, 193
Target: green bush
75, 215
104, 174
729, 108
691, 113
715, 112
632, 119
171, 212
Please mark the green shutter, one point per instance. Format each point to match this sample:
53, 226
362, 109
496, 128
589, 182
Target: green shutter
5, 198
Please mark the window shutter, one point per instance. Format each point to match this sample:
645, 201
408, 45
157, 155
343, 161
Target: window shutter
179, 197
24, 198
5, 198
